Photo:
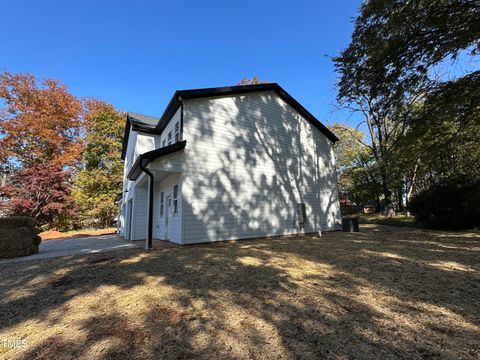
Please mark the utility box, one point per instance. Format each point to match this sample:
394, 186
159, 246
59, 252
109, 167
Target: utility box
350, 224
301, 215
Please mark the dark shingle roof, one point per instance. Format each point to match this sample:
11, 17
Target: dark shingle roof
143, 119
157, 125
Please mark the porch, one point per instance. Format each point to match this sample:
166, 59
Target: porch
152, 209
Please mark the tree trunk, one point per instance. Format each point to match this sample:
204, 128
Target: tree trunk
387, 194
377, 203
412, 183
400, 199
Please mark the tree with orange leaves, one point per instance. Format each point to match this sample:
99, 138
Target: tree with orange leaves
251, 81
40, 122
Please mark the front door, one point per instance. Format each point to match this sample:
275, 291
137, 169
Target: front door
168, 206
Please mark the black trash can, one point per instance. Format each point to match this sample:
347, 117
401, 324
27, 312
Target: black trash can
350, 224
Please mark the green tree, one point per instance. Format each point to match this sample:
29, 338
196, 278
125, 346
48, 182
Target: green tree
99, 181
406, 38
442, 139
385, 74
448, 128
357, 173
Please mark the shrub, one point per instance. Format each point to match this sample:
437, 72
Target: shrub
42, 192
450, 205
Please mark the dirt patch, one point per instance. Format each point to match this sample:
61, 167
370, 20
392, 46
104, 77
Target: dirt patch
382, 293
55, 235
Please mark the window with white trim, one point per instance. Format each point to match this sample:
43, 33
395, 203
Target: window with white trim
170, 138
177, 131
175, 199
164, 142
161, 204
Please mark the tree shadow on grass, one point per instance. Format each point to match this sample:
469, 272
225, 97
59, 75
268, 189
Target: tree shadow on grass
340, 296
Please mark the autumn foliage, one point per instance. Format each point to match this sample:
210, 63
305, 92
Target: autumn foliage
99, 181
60, 155
251, 81
40, 123
43, 193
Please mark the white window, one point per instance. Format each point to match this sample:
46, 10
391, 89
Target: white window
175, 199
170, 138
177, 131
164, 143
161, 203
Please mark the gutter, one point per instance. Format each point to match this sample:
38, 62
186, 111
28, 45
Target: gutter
148, 242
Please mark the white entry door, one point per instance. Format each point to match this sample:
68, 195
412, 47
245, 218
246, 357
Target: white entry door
168, 214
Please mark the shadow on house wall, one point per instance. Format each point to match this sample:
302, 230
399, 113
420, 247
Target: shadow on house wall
249, 160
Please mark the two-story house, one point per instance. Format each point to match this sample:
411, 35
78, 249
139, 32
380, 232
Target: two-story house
228, 163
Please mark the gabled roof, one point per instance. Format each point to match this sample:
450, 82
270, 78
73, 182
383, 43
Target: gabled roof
147, 124
143, 119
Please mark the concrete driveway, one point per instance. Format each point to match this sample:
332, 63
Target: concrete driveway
76, 246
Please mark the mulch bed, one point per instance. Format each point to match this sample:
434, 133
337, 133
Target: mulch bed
55, 235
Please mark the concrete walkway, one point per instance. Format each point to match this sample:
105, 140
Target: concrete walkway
76, 246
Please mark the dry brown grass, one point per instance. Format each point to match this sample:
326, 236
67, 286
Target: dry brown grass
383, 293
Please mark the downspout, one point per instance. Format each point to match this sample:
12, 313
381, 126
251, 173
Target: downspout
181, 118
148, 243
182, 235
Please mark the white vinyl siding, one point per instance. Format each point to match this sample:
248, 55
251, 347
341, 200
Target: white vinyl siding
162, 203
138, 143
127, 164
249, 160
170, 129
139, 214
166, 186
145, 142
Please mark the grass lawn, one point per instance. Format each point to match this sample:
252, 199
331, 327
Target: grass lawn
397, 220
383, 293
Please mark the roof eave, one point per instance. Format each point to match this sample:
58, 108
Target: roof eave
244, 89
180, 95
132, 124
126, 135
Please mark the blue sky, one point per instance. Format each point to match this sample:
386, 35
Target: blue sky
135, 54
